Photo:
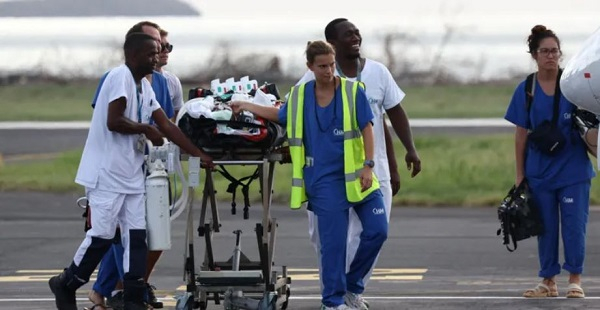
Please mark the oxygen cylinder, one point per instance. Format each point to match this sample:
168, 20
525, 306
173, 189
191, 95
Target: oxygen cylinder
158, 218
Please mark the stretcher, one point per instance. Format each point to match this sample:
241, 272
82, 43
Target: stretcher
239, 282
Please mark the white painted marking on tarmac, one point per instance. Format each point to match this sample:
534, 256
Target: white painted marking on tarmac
384, 298
45, 125
415, 123
458, 122
370, 298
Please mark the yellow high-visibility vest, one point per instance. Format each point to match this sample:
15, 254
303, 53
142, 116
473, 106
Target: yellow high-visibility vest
354, 150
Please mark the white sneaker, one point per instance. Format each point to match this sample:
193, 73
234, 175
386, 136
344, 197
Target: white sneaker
340, 307
355, 301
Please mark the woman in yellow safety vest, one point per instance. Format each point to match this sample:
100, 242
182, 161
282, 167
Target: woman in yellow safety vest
330, 135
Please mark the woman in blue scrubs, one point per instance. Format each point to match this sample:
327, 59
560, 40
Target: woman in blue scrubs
324, 178
559, 183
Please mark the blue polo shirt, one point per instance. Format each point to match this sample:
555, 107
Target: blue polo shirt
161, 91
324, 142
569, 166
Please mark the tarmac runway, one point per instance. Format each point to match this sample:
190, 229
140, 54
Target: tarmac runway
21, 140
434, 258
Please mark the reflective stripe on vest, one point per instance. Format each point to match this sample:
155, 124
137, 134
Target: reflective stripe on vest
354, 153
294, 130
354, 149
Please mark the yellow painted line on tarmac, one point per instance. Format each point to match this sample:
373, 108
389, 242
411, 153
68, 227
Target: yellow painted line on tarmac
169, 301
36, 275
44, 271
380, 274
304, 277
376, 271
297, 274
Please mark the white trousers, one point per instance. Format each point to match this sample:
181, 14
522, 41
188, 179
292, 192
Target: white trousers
354, 230
108, 210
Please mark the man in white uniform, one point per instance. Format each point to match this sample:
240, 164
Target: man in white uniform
384, 96
111, 169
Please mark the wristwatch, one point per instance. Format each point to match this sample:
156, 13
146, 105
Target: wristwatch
369, 163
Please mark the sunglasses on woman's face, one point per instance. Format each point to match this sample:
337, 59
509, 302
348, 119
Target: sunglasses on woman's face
166, 47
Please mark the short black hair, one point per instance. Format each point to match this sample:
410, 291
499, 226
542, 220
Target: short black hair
134, 41
330, 33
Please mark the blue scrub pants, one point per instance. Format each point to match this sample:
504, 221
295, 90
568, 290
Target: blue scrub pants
110, 270
570, 206
333, 231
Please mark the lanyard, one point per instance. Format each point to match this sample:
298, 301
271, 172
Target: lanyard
138, 92
358, 70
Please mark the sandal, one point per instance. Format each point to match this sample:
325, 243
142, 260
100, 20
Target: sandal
541, 290
574, 290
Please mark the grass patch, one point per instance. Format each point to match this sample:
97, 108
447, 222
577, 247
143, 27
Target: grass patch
67, 102
56, 175
47, 102
460, 101
457, 170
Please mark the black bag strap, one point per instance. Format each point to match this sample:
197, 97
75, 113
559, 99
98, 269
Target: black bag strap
557, 94
233, 187
529, 90
530, 85
508, 234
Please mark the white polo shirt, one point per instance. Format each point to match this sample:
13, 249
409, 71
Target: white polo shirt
175, 89
383, 94
112, 161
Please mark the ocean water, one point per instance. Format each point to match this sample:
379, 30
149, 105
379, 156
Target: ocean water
487, 39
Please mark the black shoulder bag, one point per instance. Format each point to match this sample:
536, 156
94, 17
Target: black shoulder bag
546, 137
519, 216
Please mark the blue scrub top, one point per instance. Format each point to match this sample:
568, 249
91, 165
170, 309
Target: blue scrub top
572, 164
161, 91
324, 142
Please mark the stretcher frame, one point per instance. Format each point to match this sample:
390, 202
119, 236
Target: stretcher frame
239, 282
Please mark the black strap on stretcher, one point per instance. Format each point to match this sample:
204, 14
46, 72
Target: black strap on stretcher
232, 188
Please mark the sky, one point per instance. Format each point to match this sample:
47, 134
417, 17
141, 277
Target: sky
485, 15
491, 30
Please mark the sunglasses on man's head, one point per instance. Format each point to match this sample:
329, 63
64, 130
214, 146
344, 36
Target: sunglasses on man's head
166, 47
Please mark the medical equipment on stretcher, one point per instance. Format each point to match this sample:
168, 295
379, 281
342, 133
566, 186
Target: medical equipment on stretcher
208, 121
